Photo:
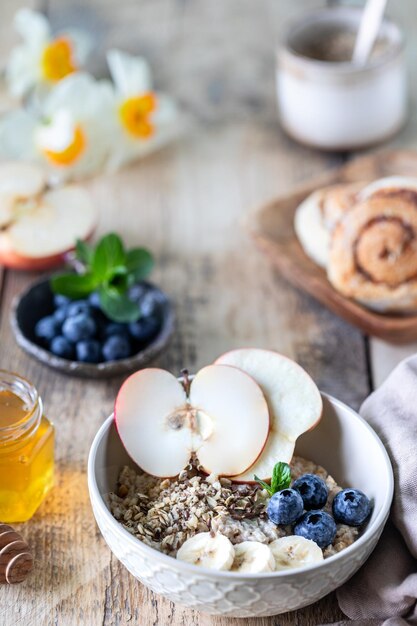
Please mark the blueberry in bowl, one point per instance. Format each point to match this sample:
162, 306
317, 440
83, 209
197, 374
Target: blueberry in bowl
285, 507
313, 491
318, 526
118, 324
351, 507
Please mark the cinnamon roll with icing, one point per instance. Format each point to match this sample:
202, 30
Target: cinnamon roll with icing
373, 251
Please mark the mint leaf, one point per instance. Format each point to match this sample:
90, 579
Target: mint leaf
139, 262
74, 285
118, 306
109, 269
118, 278
281, 477
84, 252
264, 485
108, 254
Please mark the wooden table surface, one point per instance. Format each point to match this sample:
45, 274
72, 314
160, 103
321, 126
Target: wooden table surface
187, 204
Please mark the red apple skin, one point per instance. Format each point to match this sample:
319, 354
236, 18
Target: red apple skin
253, 482
12, 260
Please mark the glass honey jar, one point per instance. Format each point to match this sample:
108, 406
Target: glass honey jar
26, 449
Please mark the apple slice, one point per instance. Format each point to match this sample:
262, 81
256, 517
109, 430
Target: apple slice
18, 181
21, 180
232, 419
221, 416
44, 229
150, 412
294, 401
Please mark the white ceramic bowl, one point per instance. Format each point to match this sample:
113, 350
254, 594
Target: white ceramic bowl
338, 106
342, 442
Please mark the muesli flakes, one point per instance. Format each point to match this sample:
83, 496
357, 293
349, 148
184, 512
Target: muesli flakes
165, 513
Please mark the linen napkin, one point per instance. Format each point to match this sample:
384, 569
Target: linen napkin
384, 591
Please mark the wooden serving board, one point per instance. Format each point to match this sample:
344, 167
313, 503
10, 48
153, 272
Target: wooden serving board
272, 230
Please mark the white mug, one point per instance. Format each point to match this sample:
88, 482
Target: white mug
337, 105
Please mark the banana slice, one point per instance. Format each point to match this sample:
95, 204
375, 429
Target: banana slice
253, 557
212, 551
293, 551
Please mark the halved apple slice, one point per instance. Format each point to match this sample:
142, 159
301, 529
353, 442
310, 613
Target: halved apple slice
41, 231
18, 181
21, 180
294, 401
222, 417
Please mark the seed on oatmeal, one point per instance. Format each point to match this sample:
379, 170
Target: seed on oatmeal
122, 491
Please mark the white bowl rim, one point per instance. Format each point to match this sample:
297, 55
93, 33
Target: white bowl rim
372, 529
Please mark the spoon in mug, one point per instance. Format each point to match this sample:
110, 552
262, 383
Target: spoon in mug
371, 20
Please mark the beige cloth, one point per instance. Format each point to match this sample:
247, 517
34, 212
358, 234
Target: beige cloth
384, 591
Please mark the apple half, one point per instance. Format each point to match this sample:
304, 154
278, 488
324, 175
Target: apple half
294, 402
221, 416
38, 226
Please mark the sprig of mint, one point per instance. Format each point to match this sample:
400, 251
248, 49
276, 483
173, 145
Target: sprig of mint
110, 270
281, 478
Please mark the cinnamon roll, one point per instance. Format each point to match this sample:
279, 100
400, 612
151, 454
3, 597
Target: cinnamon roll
398, 186
318, 214
373, 253
310, 229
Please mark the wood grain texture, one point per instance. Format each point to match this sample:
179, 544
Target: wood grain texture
187, 204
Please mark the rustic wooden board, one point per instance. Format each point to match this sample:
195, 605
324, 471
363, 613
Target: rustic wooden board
272, 228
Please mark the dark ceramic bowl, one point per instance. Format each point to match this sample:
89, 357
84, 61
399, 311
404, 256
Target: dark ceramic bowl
37, 302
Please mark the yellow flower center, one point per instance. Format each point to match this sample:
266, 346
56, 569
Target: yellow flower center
57, 60
71, 153
135, 115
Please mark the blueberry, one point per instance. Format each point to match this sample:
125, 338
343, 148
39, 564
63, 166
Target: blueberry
116, 328
351, 507
116, 347
61, 300
318, 526
144, 329
148, 304
313, 491
61, 314
94, 300
77, 307
62, 347
136, 292
285, 507
79, 327
88, 351
47, 328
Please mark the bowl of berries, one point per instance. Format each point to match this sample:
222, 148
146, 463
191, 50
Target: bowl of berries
103, 320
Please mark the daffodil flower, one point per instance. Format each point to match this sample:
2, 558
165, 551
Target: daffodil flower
43, 59
69, 134
143, 120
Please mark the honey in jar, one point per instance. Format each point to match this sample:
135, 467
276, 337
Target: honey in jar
26, 449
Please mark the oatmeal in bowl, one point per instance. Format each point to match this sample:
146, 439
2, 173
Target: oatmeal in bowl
188, 506
165, 514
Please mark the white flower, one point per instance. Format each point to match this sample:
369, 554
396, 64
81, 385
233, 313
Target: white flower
69, 134
143, 120
43, 59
